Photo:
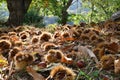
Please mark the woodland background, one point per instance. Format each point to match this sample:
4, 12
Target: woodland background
61, 11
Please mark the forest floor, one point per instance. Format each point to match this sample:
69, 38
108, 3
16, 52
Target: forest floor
78, 52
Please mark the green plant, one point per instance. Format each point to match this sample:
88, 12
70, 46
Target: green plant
53, 7
98, 10
83, 75
51, 27
33, 18
78, 18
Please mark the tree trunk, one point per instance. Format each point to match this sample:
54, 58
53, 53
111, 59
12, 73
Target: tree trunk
64, 12
64, 17
17, 10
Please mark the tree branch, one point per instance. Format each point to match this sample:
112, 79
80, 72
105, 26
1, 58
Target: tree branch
103, 8
68, 4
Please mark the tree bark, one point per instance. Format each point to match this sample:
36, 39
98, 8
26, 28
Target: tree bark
17, 10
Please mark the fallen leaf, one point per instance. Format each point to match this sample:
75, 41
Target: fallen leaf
67, 60
34, 74
65, 48
113, 47
3, 62
87, 52
117, 66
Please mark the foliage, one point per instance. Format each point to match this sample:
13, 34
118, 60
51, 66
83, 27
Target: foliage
78, 18
33, 18
94, 10
51, 27
1, 1
51, 7
98, 10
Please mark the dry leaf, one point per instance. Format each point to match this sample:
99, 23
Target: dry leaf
87, 52
92, 55
66, 48
69, 39
34, 74
117, 66
3, 61
113, 39
113, 47
66, 60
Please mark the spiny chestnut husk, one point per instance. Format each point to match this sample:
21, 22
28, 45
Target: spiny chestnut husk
24, 35
35, 39
47, 46
45, 36
61, 72
12, 33
107, 62
5, 44
13, 52
53, 56
22, 60
65, 34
